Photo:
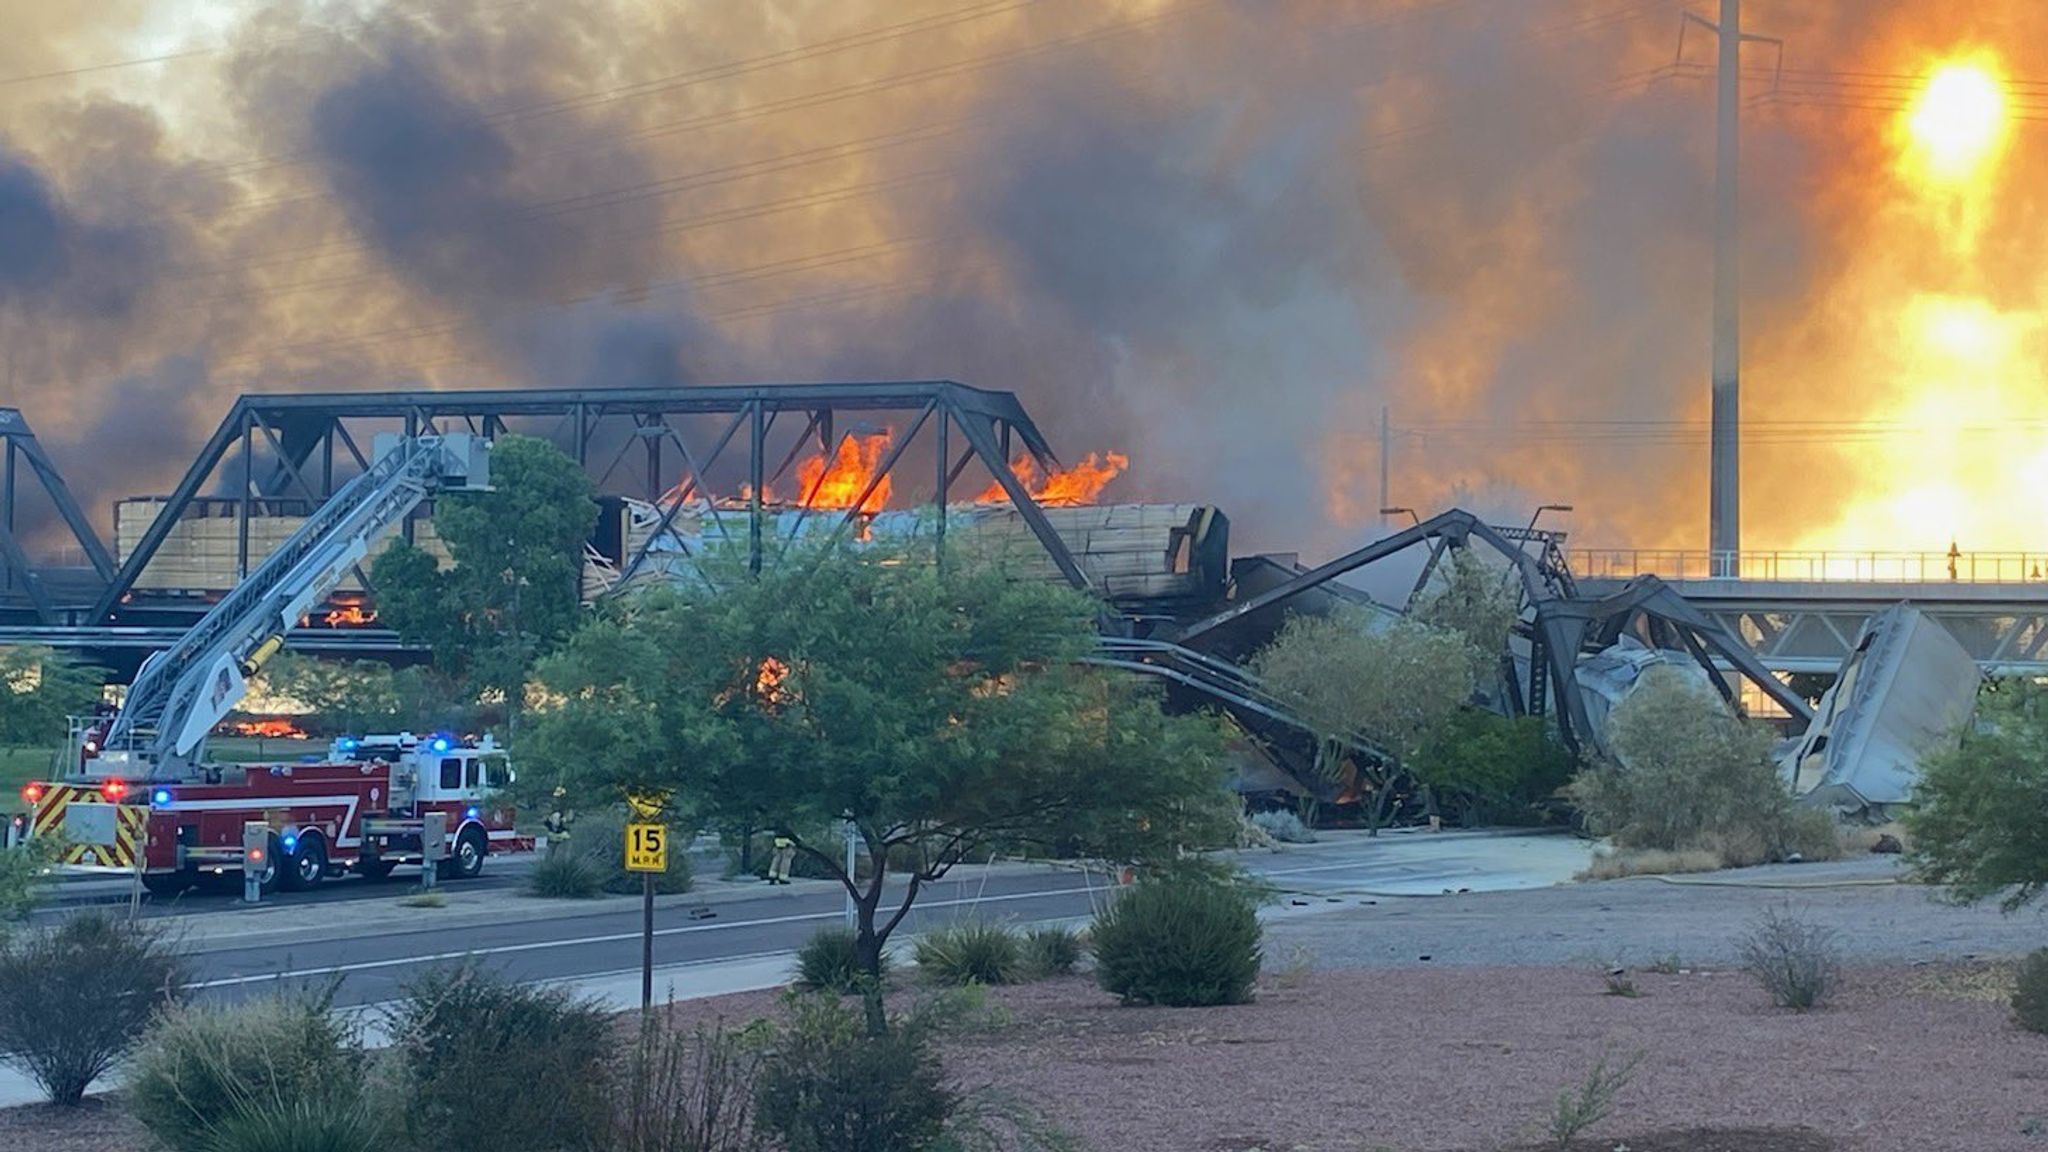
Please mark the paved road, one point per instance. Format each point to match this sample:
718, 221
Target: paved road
372, 944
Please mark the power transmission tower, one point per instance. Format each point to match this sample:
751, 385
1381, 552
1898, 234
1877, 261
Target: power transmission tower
1724, 483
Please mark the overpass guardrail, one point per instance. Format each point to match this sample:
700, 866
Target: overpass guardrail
1795, 567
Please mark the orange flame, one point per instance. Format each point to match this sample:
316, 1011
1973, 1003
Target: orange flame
771, 684
1081, 484
277, 729
351, 614
856, 461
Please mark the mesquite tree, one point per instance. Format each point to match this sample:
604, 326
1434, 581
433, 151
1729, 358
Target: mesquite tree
942, 711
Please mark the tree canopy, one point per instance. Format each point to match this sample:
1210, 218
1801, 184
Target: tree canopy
514, 590
942, 711
1397, 686
40, 688
1980, 818
1479, 601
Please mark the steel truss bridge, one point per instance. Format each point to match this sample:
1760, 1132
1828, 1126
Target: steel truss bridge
721, 447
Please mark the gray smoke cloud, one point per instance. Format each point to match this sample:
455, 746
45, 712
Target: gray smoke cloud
1219, 236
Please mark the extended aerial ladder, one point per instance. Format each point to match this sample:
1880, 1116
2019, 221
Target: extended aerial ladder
182, 692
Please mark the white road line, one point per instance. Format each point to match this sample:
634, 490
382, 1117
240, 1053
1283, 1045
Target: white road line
610, 938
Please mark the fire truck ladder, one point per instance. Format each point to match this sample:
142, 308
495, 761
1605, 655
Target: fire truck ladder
181, 692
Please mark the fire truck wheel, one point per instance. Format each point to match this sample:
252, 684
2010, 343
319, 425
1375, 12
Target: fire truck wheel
306, 866
467, 861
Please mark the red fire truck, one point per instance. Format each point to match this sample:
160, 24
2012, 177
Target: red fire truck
145, 799
357, 809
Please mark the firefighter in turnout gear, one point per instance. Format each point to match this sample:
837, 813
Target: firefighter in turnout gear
785, 855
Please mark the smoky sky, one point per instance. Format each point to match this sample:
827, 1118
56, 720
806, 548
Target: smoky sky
1220, 237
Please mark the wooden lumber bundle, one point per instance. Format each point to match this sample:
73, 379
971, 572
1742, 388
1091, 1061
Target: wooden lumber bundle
199, 554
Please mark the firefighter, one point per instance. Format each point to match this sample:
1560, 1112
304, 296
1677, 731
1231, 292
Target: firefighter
785, 855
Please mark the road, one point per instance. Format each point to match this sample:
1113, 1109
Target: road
368, 941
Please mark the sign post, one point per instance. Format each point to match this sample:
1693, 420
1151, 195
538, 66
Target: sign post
647, 854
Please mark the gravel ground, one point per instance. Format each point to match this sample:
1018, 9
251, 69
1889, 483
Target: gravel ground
1424, 1060
1635, 921
1468, 1060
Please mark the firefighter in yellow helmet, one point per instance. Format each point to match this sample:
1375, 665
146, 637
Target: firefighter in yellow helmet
785, 855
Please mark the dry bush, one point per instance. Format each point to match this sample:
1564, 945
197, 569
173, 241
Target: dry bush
1691, 776
74, 997
690, 1091
1649, 862
1796, 962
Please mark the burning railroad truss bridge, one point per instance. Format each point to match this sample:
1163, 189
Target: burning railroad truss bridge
697, 483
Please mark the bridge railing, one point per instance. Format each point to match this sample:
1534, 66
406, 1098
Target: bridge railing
1893, 567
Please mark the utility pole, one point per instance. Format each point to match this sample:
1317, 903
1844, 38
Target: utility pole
1386, 466
1724, 481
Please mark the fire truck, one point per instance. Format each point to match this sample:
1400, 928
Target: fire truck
144, 798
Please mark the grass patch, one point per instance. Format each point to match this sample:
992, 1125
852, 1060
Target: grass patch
18, 766
425, 898
1627, 862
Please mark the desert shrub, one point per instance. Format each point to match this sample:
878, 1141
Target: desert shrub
830, 962
565, 874
24, 876
321, 1122
1284, 826
1179, 941
971, 952
1593, 1100
463, 1035
201, 1065
2030, 992
1689, 775
1052, 950
74, 998
833, 1085
1649, 862
1796, 962
689, 1091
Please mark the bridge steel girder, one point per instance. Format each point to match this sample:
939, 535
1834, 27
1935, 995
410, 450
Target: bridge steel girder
1560, 623
18, 445
304, 436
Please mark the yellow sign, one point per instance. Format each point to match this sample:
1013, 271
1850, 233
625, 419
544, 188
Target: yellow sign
646, 848
647, 805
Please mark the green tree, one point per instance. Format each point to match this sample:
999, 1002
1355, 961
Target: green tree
341, 696
40, 688
1479, 601
514, 591
1492, 767
1689, 774
943, 712
1980, 819
1397, 687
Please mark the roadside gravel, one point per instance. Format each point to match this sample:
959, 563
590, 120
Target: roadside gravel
1636, 921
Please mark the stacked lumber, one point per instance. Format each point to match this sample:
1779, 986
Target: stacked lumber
1129, 551
200, 552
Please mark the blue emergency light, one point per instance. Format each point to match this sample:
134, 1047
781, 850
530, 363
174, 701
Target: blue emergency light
471, 813
161, 798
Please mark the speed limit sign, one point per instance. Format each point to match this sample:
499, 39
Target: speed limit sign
646, 848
